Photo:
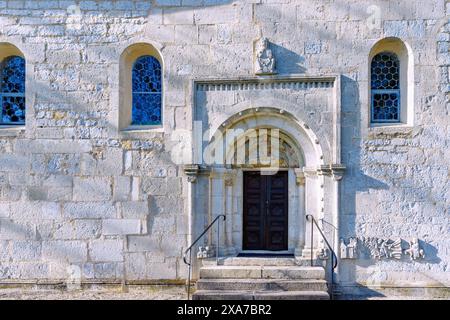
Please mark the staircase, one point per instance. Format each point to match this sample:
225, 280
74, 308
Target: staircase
260, 279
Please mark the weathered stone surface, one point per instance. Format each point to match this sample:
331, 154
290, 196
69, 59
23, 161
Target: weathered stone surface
13, 163
78, 230
70, 251
92, 189
121, 227
135, 209
4, 209
89, 210
106, 250
51, 146
108, 270
122, 188
26, 250
35, 210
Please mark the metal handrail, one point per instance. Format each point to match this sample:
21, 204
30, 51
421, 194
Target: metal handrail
334, 258
189, 250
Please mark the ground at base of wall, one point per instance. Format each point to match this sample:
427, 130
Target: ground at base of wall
140, 293
391, 293
131, 293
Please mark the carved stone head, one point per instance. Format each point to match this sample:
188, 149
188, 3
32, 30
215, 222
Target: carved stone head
263, 44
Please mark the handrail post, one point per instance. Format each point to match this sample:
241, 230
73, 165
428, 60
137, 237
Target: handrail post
218, 241
312, 242
334, 258
189, 250
332, 277
189, 275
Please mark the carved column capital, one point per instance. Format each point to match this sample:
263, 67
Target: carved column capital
229, 178
310, 172
338, 171
300, 177
324, 170
192, 172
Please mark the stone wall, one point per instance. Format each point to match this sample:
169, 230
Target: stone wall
76, 191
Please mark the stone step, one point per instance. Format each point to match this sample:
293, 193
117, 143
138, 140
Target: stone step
260, 295
262, 272
261, 284
259, 262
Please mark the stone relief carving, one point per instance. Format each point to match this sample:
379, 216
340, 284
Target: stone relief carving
383, 248
323, 254
349, 251
205, 253
378, 248
191, 172
265, 61
415, 251
229, 179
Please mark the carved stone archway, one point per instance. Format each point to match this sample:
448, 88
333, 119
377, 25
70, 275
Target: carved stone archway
309, 152
298, 154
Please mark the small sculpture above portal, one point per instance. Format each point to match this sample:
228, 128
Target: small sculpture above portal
265, 60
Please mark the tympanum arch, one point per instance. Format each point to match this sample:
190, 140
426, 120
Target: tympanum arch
296, 133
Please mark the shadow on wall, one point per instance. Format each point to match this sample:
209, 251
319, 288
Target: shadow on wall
431, 252
291, 61
358, 182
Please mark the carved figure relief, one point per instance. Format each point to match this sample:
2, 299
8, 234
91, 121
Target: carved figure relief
378, 248
265, 60
383, 248
343, 249
349, 251
204, 253
351, 248
415, 251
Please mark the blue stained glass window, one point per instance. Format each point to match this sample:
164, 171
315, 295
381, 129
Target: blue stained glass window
147, 91
385, 82
12, 90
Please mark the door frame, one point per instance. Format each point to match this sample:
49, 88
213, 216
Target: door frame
289, 211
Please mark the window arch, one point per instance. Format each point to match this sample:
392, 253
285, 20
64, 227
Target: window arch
391, 83
141, 88
386, 93
146, 91
12, 90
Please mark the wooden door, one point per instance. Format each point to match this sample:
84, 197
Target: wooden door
265, 211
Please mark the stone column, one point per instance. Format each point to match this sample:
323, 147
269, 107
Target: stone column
191, 172
229, 182
337, 172
313, 197
217, 204
300, 181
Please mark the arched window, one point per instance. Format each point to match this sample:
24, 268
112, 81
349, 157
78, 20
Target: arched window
12, 90
386, 92
147, 91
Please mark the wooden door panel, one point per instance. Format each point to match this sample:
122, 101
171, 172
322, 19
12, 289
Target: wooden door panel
253, 212
277, 215
265, 211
